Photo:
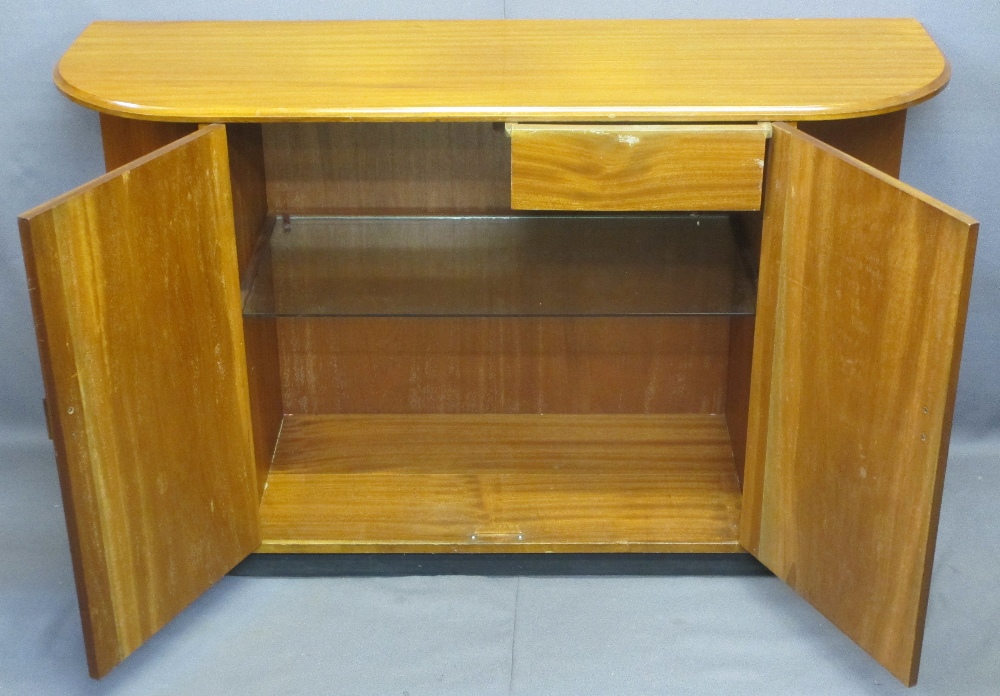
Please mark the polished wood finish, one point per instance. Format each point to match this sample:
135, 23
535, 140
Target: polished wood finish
500, 70
875, 140
833, 407
252, 228
246, 166
392, 168
133, 280
481, 483
127, 139
264, 382
749, 230
464, 349
511, 265
624, 168
863, 292
738, 378
504, 365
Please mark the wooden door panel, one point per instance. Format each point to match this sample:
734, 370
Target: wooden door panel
133, 281
863, 291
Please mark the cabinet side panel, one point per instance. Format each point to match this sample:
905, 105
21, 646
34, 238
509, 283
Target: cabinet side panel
504, 365
387, 167
246, 166
738, 387
870, 283
134, 279
741, 343
127, 139
875, 140
264, 379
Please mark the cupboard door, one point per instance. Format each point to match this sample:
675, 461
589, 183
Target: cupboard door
862, 298
133, 282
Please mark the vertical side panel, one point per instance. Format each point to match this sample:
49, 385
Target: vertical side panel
246, 169
875, 140
246, 166
741, 345
127, 139
738, 387
863, 293
134, 285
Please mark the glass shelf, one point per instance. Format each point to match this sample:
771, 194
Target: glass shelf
484, 266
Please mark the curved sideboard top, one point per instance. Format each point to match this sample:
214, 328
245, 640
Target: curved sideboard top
503, 70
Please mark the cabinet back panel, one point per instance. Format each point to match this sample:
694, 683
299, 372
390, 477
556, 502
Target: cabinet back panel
386, 167
504, 365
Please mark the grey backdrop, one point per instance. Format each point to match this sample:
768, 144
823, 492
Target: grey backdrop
481, 635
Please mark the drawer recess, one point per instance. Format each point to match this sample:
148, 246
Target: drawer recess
635, 168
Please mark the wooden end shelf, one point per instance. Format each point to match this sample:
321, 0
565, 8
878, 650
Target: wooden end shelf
501, 483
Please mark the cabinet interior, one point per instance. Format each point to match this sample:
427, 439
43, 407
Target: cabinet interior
431, 370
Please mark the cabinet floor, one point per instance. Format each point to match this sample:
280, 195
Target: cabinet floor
502, 483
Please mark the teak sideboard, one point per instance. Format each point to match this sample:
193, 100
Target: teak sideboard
501, 286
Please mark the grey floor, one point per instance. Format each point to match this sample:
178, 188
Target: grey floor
483, 635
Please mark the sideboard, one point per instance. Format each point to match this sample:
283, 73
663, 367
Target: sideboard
501, 286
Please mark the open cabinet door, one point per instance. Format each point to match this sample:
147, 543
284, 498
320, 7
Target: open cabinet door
863, 290
133, 282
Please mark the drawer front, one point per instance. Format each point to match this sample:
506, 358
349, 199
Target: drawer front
620, 168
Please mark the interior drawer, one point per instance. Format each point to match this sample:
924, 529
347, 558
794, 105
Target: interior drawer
620, 168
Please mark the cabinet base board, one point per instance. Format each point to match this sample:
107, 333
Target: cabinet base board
345, 565
502, 484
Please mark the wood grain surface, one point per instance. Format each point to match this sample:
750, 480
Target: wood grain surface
622, 168
875, 140
504, 365
327, 276
863, 293
252, 227
513, 265
247, 180
480, 483
499, 70
133, 280
264, 382
738, 376
393, 168
127, 139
